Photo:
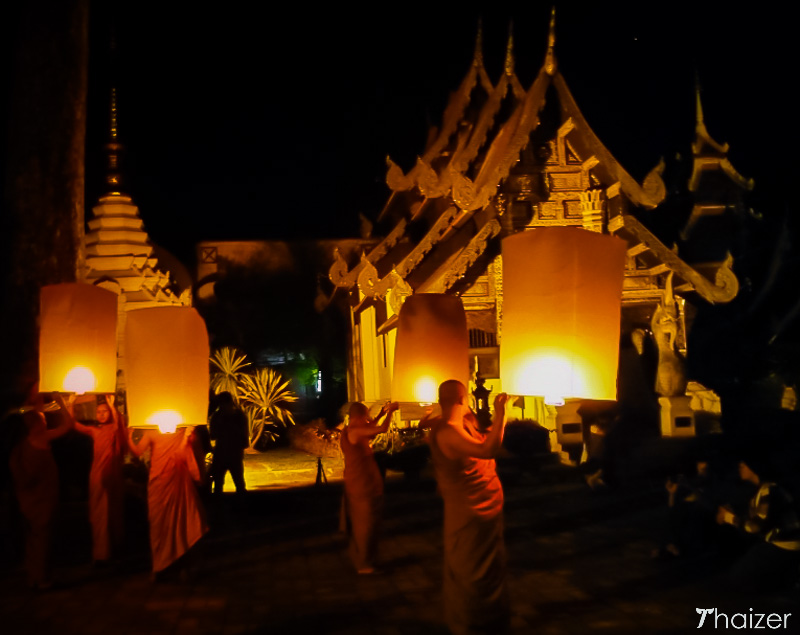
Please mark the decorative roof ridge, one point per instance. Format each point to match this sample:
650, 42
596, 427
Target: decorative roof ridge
505, 148
701, 132
719, 157
649, 196
725, 285
453, 116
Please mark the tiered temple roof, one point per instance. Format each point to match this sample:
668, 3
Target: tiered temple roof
495, 170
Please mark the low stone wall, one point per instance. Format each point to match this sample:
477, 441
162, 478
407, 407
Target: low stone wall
315, 438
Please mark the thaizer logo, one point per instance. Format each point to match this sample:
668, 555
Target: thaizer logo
712, 618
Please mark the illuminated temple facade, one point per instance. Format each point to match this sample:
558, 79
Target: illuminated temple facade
508, 159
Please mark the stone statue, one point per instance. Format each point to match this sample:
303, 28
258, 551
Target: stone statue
671, 373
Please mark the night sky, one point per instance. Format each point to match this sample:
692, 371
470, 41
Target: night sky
268, 124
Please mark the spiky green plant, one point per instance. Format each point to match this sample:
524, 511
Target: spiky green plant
265, 395
231, 363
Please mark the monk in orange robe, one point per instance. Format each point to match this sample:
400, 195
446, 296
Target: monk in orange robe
475, 593
106, 485
363, 484
35, 476
176, 515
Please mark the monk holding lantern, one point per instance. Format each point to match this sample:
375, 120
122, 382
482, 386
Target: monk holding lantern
475, 594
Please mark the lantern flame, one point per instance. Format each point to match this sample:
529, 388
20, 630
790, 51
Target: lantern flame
166, 420
425, 390
79, 380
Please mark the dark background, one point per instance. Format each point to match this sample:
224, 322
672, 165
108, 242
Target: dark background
243, 122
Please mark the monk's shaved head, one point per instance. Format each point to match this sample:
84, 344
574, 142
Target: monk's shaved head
451, 392
358, 409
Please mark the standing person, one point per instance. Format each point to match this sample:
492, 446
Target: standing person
475, 593
228, 428
176, 516
106, 485
35, 476
363, 484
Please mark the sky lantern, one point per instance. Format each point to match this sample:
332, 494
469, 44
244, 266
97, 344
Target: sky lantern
77, 339
562, 292
166, 367
432, 346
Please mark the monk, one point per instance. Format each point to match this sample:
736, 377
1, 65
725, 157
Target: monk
106, 485
363, 484
176, 516
475, 594
35, 475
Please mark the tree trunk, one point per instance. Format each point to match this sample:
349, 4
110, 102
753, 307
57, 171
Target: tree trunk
44, 172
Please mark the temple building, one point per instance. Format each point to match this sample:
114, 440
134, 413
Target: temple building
118, 254
507, 159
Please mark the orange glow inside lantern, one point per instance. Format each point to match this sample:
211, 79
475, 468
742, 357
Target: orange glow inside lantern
77, 339
432, 347
166, 367
562, 292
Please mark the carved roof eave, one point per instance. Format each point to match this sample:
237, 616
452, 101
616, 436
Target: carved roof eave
705, 139
649, 195
342, 276
459, 264
453, 115
721, 290
434, 185
700, 165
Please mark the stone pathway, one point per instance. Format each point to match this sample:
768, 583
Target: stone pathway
578, 563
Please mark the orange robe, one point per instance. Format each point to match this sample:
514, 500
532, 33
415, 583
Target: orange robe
35, 477
177, 520
475, 594
106, 493
363, 492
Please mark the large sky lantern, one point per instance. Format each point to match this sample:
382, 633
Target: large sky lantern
562, 292
77, 339
166, 367
432, 347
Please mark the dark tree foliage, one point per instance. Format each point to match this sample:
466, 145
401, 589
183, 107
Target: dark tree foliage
272, 314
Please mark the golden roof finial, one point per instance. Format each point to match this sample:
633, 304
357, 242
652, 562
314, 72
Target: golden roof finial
509, 65
477, 59
550, 56
699, 103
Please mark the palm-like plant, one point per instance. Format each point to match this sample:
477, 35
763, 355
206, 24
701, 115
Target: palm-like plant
231, 363
266, 395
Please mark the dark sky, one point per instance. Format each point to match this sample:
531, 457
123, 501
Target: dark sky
262, 124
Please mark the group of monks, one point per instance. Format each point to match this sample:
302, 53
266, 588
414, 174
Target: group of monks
475, 595
175, 513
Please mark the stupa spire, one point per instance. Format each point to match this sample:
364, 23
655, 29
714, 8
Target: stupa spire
113, 147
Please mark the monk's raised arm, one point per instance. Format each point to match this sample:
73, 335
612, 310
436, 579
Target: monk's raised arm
67, 420
455, 443
139, 448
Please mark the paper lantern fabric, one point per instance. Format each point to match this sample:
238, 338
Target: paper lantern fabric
562, 293
432, 347
77, 339
166, 367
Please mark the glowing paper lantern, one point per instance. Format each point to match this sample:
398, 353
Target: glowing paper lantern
562, 291
166, 369
432, 347
77, 339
